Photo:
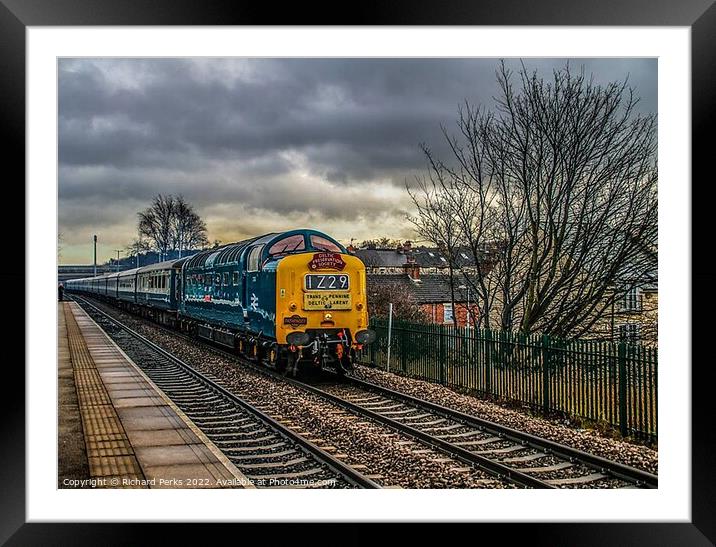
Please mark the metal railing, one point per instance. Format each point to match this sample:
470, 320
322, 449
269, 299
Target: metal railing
607, 382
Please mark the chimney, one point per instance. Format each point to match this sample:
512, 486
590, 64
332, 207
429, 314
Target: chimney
412, 268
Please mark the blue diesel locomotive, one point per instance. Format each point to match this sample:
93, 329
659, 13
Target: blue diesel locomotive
285, 299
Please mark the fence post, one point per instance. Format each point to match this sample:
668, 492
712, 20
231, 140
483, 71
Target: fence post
488, 360
622, 389
441, 346
546, 359
404, 344
390, 331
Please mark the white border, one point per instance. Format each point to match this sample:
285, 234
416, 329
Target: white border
671, 502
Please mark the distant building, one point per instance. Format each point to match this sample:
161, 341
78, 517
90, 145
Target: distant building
422, 273
65, 272
634, 318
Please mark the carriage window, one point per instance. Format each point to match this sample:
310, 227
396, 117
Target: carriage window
288, 244
254, 258
226, 279
322, 244
217, 280
235, 278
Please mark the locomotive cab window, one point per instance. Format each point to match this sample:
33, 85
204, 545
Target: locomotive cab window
288, 244
322, 244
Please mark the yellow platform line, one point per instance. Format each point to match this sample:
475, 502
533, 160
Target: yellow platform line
109, 452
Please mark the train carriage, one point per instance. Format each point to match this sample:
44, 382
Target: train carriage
127, 286
158, 293
112, 285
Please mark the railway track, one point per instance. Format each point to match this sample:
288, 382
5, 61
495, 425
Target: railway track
508, 454
514, 456
517, 456
267, 452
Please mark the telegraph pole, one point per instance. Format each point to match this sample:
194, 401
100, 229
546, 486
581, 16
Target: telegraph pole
118, 251
95, 255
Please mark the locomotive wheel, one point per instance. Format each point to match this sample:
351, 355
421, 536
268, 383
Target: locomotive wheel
255, 352
273, 357
291, 363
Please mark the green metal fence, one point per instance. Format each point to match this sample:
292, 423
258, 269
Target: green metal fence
603, 381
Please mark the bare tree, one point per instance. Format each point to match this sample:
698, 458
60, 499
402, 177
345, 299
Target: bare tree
171, 223
405, 307
136, 247
60, 245
156, 223
189, 230
381, 243
558, 184
436, 221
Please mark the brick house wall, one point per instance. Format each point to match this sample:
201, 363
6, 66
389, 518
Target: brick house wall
436, 313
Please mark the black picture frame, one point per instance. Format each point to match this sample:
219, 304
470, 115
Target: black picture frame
17, 15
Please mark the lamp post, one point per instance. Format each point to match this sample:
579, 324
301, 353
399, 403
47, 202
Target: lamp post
118, 251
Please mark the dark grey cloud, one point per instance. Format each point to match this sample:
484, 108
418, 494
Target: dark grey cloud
280, 137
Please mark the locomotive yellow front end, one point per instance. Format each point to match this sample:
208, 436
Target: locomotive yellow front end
322, 308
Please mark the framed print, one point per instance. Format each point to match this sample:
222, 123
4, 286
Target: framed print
228, 184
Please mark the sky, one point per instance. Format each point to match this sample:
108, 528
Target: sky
263, 145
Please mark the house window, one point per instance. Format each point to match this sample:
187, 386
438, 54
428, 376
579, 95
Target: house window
629, 333
632, 300
447, 313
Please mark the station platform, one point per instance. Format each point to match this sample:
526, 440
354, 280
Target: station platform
134, 436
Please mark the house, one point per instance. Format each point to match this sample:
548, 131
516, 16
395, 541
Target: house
402, 281
430, 259
634, 318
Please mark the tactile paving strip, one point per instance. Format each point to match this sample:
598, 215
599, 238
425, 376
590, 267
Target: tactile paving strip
109, 451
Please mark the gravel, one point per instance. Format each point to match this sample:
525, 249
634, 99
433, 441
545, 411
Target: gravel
639, 456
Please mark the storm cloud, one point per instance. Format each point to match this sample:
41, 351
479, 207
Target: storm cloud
264, 144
